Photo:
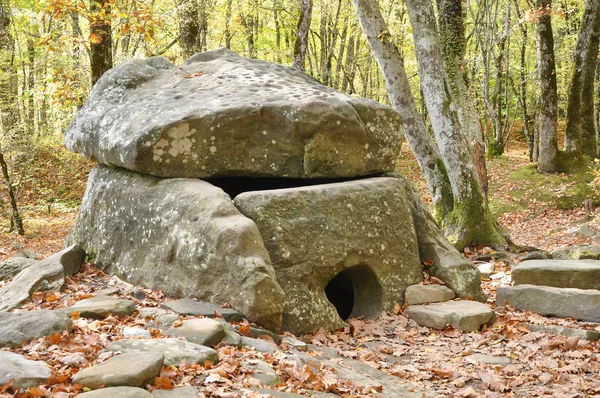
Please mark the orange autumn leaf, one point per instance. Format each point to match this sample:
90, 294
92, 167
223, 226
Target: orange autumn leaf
162, 383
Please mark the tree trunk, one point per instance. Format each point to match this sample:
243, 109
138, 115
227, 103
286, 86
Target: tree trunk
581, 87
548, 150
398, 87
470, 221
227, 24
302, 34
101, 46
31, 86
276, 6
16, 221
189, 27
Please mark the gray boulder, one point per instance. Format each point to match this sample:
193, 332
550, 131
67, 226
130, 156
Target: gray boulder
183, 236
17, 328
131, 370
579, 274
201, 331
359, 233
101, 307
26, 373
225, 115
552, 301
175, 351
421, 294
14, 265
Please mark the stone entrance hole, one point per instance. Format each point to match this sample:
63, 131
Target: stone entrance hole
355, 292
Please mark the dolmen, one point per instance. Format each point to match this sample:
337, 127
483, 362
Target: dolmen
240, 181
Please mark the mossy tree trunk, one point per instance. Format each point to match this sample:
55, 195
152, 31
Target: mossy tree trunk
548, 150
398, 87
580, 136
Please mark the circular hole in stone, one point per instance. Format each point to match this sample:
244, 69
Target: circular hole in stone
356, 292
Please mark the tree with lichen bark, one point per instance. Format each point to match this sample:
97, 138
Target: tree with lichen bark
462, 209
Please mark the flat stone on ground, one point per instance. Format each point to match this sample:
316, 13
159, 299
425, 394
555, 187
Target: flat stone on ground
578, 274
187, 306
260, 345
552, 301
462, 315
175, 351
101, 306
422, 294
488, 359
26, 373
262, 371
19, 327
132, 369
565, 331
117, 392
201, 331
181, 392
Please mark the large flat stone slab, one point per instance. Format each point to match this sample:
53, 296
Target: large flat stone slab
578, 274
175, 351
360, 232
187, 306
183, 236
422, 294
462, 315
552, 301
19, 327
101, 307
26, 373
223, 115
117, 392
132, 369
201, 331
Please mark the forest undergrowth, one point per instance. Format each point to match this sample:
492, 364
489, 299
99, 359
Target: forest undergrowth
522, 199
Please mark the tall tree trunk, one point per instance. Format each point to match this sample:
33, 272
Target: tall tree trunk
276, 6
189, 27
101, 47
454, 47
470, 221
31, 86
228, 34
548, 158
581, 87
301, 43
398, 87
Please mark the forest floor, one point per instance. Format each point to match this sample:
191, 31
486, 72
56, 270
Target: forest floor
544, 211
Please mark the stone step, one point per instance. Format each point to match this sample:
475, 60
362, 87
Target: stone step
552, 301
578, 274
422, 294
462, 315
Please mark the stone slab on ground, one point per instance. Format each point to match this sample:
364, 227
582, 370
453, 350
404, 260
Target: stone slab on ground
462, 315
552, 301
175, 351
422, 294
131, 369
187, 306
488, 359
25, 372
18, 327
565, 331
486, 269
260, 345
117, 392
101, 307
14, 265
282, 394
180, 392
262, 371
201, 331
578, 274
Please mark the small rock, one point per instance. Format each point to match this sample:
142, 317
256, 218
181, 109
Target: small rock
175, 351
129, 332
158, 317
101, 307
295, 343
181, 392
117, 392
421, 294
498, 275
132, 369
535, 255
488, 359
188, 306
565, 331
138, 294
232, 337
26, 373
257, 332
462, 315
108, 291
19, 327
262, 371
486, 269
28, 253
201, 331
260, 345
587, 232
